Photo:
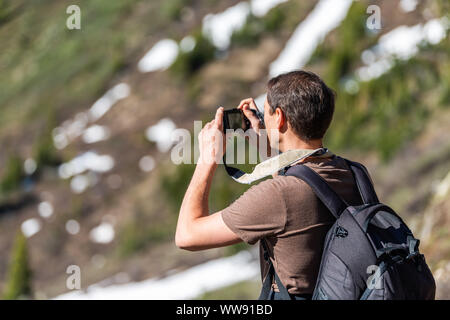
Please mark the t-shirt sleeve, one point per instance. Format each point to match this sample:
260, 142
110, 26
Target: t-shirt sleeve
258, 213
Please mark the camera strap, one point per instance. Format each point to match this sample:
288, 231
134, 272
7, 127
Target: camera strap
274, 164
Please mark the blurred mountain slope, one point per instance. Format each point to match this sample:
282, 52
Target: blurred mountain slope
395, 124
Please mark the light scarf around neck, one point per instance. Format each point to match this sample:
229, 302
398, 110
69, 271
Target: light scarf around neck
274, 164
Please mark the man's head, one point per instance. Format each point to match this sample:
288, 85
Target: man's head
299, 104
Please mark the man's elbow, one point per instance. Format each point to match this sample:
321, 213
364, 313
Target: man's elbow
184, 242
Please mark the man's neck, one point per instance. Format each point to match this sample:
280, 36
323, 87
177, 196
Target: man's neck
295, 144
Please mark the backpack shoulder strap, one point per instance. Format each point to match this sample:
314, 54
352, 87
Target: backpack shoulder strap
323, 191
267, 283
365, 185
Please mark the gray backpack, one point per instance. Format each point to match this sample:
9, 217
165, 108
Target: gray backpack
369, 252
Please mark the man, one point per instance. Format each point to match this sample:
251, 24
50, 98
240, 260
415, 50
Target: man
284, 210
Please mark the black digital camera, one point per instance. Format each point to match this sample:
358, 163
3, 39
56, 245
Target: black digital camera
236, 119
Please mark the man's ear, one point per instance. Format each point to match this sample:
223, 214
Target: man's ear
280, 118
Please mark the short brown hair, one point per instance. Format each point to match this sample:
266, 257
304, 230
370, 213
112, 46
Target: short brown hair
306, 101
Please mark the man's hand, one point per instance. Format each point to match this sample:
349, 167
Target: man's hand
256, 125
245, 106
212, 140
196, 228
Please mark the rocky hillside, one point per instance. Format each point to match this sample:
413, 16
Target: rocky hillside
86, 116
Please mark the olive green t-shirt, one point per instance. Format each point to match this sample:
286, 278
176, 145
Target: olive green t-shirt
285, 211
